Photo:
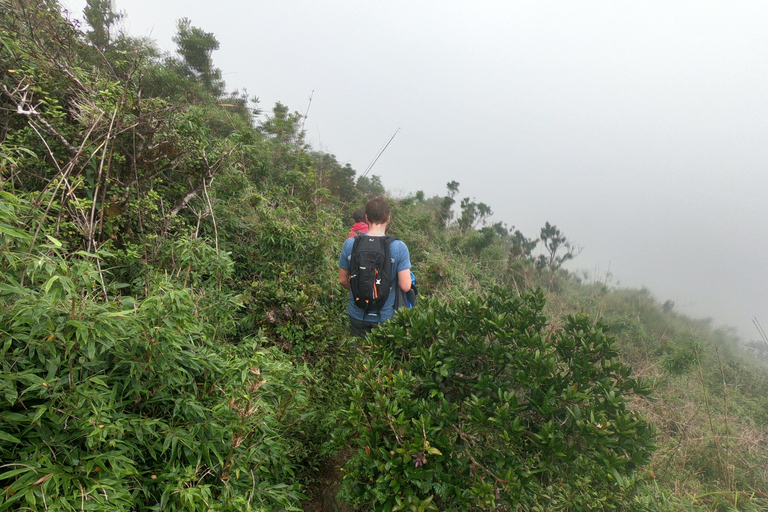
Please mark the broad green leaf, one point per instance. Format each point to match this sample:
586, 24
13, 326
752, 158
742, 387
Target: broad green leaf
5, 436
49, 283
54, 241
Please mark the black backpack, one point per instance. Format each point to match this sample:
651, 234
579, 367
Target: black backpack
370, 271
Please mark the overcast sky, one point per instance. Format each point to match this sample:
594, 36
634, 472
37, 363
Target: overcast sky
638, 128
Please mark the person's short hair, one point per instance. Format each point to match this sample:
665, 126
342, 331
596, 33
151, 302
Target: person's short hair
358, 216
377, 210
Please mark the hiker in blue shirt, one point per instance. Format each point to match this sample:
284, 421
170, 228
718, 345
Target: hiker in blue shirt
364, 319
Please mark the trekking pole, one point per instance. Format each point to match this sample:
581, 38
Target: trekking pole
760, 329
370, 166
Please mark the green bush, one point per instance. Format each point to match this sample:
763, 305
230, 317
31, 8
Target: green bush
107, 403
476, 404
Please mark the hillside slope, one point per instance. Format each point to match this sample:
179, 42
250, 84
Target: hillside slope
173, 336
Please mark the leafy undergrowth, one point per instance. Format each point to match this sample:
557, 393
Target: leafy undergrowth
473, 405
173, 338
108, 403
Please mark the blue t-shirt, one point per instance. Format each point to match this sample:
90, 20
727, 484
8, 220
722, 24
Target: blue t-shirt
401, 260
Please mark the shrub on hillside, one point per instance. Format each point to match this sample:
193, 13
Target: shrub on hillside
108, 403
477, 405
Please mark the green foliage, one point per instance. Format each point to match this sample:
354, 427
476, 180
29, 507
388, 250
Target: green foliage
174, 269
414, 220
681, 357
554, 241
338, 179
110, 403
196, 47
102, 19
476, 404
444, 214
284, 261
472, 214
370, 186
710, 402
521, 247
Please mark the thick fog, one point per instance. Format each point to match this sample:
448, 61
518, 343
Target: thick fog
638, 128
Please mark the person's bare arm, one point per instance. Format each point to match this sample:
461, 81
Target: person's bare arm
404, 279
344, 278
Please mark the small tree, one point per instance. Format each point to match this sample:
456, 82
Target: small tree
554, 241
445, 214
330, 174
370, 186
196, 47
472, 214
520, 248
102, 20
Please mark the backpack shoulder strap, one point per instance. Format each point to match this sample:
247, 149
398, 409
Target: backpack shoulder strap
356, 243
386, 241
